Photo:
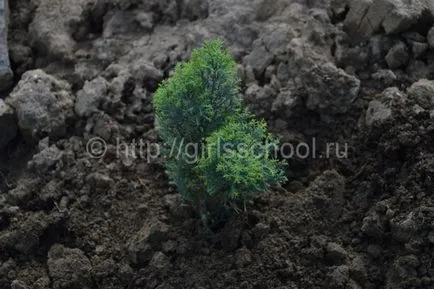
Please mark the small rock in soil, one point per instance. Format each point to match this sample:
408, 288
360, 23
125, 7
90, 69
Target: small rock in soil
166, 286
418, 48
249, 75
340, 276
372, 226
142, 245
414, 36
119, 22
159, 261
258, 98
8, 267
270, 71
256, 92
17, 284
401, 15
387, 76
176, 206
353, 285
358, 270
330, 90
147, 74
6, 74
42, 283
170, 247
404, 230
260, 231
379, 46
258, 59
422, 92
118, 83
430, 37
355, 21
403, 268
45, 160
335, 254
54, 26
417, 69
266, 9
285, 104
276, 37
21, 57
282, 72
22, 193
69, 268
103, 269
417, 109
8, 124
230, 236
366, 17
26, 238
243, 257
90, 97
107, 128
377, 112
327, 194
431, 237
43, 104
392, 96
99, 180
397, 56
194, 9
145, 20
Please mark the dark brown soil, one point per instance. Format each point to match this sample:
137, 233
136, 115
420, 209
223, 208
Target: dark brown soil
364, 221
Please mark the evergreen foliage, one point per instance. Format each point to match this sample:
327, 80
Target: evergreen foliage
217, 154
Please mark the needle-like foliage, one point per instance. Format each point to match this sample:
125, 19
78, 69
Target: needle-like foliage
199, 97
238, 164
217, 155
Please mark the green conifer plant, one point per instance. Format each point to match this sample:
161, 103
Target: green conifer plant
217, 154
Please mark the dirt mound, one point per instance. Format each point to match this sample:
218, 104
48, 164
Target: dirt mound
85, 204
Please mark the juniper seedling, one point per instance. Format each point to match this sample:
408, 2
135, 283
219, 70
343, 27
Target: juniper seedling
201, 105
